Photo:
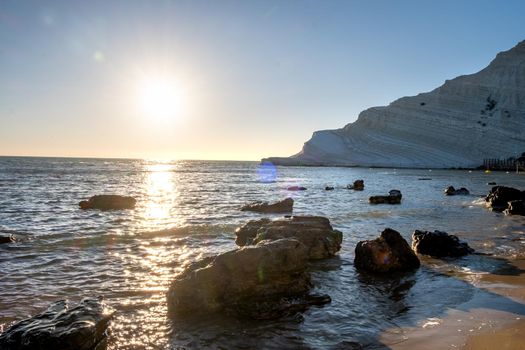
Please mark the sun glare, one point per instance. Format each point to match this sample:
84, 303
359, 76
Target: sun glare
160, 99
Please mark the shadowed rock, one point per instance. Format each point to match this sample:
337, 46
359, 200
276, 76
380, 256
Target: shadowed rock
267, 280
296, 188
284, 206
387, 253
7, 239
61, 328
394, 197
108, 202
321, 240
439, 244
358, 185
329, 188
516, 208
500, 196
451, 191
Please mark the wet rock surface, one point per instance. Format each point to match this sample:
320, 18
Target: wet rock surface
394, 197
264, 281
7, 239
83, 327
515, 208
499, 197
108, 202
439, 244
284, 206
296, 188
388, 253
451, 191
315, 232
358, 185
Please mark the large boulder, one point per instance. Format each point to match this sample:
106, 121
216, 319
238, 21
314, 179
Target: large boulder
394, 197
315, 232
451, 191
387, 253
439, 244
108, 202
500, 196
7, 239
284, 206
263, 281
61, 328
358, 185
516, 208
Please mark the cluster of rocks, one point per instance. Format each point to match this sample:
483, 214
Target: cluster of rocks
108, 202
451, 191
266, 278
390, 252
394, 197
83, 327
509, 200
284, 206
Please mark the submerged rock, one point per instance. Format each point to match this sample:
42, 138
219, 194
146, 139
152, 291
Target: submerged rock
499, 197
61, 328
321, 240
439, 244
387, 253
394, 197
284, 206
267, 280
328, 188
516, 208
451, 191
7, 239
358, 185
296, 188
108, 202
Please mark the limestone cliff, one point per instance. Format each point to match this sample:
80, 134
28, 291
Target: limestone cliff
460, 123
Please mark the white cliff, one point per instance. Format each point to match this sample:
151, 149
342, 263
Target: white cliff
462, 122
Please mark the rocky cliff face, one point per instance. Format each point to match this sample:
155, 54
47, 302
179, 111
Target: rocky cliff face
460, 123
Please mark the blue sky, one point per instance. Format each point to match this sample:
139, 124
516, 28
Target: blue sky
258, 77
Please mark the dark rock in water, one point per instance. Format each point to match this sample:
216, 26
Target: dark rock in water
328, 188
347, 345
439, 244
394, 197
451, 191
491, 183
500, 196
358, 185
284, 206
108, 202
387, 253
424, 178
296, 188
267, 280
7, 239
321, 240
61, 328
516, 208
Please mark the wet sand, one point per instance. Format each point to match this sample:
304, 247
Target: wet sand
493, 319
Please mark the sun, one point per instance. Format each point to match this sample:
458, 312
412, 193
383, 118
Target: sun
160, 98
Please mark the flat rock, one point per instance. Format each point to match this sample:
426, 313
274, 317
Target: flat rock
296, 188
394, 197
499, 197
284, 206
451, 191
315, 232
388, 253
439, 244
7, 239
267, 280
108, 202
82, 327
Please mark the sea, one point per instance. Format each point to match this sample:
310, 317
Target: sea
187, 210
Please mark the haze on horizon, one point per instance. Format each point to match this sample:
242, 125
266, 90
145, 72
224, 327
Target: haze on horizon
236, 80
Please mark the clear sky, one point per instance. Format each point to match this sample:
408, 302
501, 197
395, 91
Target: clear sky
224, 79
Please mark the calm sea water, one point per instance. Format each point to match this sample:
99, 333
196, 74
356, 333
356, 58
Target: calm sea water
189, 209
